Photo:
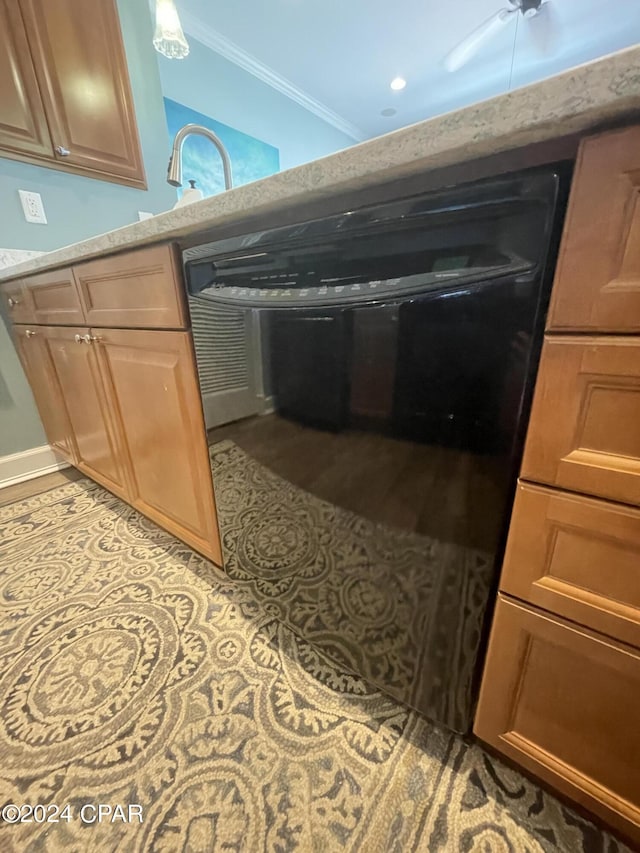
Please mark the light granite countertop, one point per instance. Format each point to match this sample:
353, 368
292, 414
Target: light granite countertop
572, 102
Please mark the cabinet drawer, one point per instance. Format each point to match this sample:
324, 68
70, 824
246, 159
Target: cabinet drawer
54, 297
597, 283
584, 433
17, 302
564, 703
577, 557
141, 289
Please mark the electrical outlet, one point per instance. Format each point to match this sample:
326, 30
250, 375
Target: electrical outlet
32, 207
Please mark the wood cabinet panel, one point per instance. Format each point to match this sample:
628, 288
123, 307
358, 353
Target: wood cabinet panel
141, 289
54, 298
80, 65
577, 557
584, 432
99, 453
33, 354
563, 702
23, 126
156, 399
597, 283
17, 301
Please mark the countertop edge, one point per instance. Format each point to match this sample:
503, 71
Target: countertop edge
586, 98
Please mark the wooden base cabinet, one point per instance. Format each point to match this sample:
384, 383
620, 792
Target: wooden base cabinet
560, 692
136, 423
122, 403
564, 702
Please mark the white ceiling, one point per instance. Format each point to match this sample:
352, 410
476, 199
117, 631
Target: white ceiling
344, 53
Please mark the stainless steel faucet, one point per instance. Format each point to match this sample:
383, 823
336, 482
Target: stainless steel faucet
174, 173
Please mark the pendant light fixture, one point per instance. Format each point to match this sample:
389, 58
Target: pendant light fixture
169, 39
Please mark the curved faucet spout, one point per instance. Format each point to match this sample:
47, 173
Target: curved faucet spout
174, 173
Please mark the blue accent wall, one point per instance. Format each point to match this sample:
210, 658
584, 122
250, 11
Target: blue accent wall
210, 84
251, 159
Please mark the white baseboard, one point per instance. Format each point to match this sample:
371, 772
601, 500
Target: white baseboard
18, 467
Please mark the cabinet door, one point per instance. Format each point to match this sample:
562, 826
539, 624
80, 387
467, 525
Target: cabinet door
81, 69
75, 362
156, 399
32, 351
54, 298
563, 702
23, 126
597, 284
584, 433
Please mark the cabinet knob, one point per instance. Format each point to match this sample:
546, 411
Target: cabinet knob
78, 339
91, 339
62, 151
30, 334
13, 302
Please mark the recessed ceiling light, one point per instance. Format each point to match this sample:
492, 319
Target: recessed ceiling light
398, 83
389, 111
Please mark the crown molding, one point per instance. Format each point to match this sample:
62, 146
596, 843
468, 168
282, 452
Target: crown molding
214, 40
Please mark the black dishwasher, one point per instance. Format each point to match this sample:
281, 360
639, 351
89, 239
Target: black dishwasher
364, 499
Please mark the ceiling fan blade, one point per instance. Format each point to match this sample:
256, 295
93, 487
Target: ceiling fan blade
469, 46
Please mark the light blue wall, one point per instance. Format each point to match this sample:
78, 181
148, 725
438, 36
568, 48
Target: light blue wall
79, 207
207, 82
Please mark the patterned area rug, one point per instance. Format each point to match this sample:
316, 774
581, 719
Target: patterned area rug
133, 674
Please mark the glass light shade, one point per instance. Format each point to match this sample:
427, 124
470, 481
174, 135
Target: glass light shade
169, 39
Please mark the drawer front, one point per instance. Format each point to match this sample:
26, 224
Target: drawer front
597, 284
141, 290
577, 557
584, 433
564, 703
16, 300
54, 297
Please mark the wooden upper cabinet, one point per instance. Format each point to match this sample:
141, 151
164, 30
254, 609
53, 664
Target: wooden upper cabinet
597, 284
584, 432
74, 51
23, 126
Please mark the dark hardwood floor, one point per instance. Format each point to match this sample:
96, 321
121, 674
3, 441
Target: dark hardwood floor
435, 491
11, 494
